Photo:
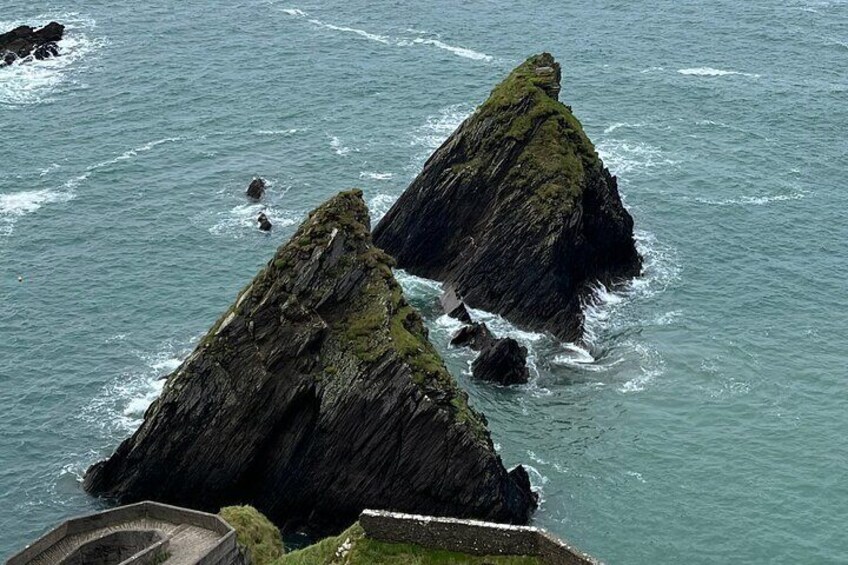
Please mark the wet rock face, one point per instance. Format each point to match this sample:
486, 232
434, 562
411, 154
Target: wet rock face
516, 209
264, 223
475, 335
503, 361
24, 41
315, 396
256, 189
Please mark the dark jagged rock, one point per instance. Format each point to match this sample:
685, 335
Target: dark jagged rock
24, 41
516, 209
264, 223
504, 361
476, 336
256, 189
453, 306
315, 396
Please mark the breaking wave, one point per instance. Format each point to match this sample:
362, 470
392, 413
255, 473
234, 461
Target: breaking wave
710, 72
31, 81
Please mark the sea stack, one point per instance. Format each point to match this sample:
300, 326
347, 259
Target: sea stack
316, 395
515, 210
24, 41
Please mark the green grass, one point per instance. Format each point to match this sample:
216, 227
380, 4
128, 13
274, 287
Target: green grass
363, 551
256, 533
556, 154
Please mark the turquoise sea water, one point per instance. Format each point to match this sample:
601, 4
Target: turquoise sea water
707, 420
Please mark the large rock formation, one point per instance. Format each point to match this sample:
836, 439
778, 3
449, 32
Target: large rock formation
24, 41
315, 396
516, 210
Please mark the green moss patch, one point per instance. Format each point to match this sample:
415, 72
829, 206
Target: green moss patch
556, 153
255, 533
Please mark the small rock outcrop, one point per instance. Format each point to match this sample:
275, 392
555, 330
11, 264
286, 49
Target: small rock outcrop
315, 396
475, 335
24, 41
453, 306
256, 189
516, 209
264, 223
503, 361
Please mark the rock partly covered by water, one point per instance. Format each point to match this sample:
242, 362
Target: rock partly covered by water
315, 396
24, 41
256, 189
516, 209
502, 361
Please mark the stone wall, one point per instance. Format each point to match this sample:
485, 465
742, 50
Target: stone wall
470, 536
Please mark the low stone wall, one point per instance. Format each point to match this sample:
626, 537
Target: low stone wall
470, 536
224, 552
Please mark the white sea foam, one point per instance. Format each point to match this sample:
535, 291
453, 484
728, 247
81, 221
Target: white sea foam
652, 70
15, 205
755, 200
460, 51
611, 128
277, 131
395, 41
120, 406
437, 128
624, 157
710, 72
360, 32
240, 220
375, 176
339, 147
31, 81
379, 205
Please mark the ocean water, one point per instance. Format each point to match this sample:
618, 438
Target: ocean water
705, 421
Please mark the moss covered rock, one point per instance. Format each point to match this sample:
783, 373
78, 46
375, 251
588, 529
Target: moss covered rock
255, 533
316, 395
516, 210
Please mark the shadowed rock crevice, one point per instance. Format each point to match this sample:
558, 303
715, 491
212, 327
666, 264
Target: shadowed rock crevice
315, 396
515, 210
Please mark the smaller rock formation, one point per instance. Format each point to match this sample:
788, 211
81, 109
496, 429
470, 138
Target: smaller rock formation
453, 306
264, 223
475, 335
503, 362
256, 190
24, 41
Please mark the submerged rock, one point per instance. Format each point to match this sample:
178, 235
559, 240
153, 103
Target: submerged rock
315, 396
475, 335
24, 41
256, 189
503, 361
516, 209
264, 223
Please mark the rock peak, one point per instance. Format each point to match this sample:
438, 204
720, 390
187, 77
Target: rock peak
516, 210
316, 395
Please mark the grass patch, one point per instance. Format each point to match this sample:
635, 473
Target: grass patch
256, 533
